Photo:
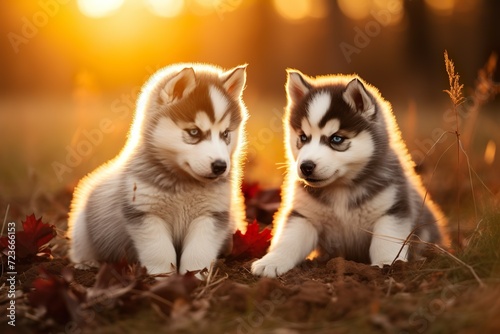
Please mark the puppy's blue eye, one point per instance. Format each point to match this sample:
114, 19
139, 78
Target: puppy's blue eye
336, 139
303, 138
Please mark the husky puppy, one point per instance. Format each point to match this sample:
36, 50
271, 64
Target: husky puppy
350, 188
171, 199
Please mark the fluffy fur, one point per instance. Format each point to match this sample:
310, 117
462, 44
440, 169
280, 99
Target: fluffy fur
171, 199
350, 188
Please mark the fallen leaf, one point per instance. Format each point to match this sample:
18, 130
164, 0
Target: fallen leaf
57, 297
253, 244
32, 240
261, 204
115, 285
250, 190
174, 290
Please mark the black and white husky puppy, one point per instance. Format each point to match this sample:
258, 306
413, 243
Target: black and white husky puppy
171, 199
350, 188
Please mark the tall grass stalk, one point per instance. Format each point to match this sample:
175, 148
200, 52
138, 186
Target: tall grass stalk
456, 97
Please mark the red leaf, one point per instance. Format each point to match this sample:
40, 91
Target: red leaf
250, 190
4, 243
33, 238
57, 297
253, 244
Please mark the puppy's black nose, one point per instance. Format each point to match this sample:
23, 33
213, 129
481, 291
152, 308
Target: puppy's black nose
307, 167
219, 167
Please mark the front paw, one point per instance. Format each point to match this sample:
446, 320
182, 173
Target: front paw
382, 254
271, 266
387, 261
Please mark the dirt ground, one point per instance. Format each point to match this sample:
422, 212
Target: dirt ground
436, 295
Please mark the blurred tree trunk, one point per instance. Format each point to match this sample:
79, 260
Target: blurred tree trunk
490, 34
418, 47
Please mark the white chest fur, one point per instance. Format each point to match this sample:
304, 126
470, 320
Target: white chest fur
337, 219
179, 208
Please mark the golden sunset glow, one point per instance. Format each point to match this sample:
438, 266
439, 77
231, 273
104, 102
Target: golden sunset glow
355, 10
319, 9
166, 8
99, 8
390, 10
394, 9
278, 166
293, 9
444, 7
98, 53
208, 3
301, 9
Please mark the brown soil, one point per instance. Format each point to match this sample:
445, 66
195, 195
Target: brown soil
336, 296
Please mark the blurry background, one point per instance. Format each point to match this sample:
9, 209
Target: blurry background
70, 72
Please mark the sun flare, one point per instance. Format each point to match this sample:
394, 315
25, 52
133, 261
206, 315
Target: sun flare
166, 8
99, 8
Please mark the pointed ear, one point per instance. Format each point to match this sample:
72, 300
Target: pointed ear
297, 85
356, 96
234, 81
179, 86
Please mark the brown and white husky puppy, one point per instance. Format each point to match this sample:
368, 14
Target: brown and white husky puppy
171, 199
350, 188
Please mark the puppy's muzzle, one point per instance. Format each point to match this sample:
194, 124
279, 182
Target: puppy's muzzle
307, 167
218, 167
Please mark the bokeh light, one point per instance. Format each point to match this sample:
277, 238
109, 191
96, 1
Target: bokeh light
99, 8
444, 7
165, 8
393, 7
355, 10
489, 152
293, 9
205, 7
391, 10
319, 9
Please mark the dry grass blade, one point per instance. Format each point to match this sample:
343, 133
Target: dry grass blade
431, 149
456, 259
455, 94
455, 91
5, 218
211, 281
469, 169
442, 250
